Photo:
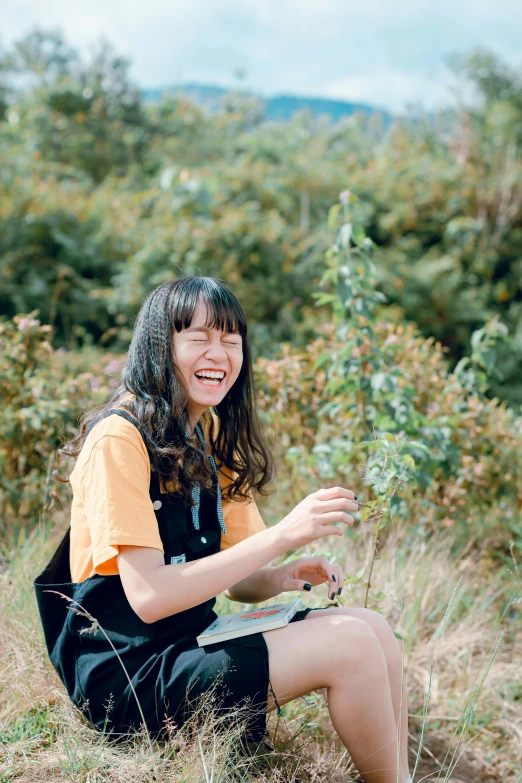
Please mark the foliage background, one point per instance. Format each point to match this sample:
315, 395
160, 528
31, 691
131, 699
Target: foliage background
380, 267
103, 197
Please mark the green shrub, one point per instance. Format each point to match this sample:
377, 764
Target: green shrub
372, 402
43, 394
368, 401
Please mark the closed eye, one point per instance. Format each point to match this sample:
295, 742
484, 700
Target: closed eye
229, 342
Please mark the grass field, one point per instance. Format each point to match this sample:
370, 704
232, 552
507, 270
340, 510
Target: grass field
461, 633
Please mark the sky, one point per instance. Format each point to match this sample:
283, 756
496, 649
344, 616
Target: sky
389, 54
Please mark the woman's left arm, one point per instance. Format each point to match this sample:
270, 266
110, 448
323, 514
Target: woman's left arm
257, 587
243, 519
302, 574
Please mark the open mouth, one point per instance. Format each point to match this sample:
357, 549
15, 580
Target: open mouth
213, 383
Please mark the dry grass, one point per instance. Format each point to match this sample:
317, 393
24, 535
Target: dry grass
45, 738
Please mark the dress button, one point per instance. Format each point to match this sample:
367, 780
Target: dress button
203, 540
157, 505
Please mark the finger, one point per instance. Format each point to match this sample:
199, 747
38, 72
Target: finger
337, 516
340, 578
325, 566
327, 493
329, 571
311, 562
336, 585
338, 504
332, 584
297, 584
332, 530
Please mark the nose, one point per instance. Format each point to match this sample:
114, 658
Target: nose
216, 352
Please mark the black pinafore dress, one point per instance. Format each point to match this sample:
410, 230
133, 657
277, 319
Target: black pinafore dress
167, 668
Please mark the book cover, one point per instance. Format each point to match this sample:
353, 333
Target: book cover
267, 618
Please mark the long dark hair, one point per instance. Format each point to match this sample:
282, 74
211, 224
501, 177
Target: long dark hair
159, 402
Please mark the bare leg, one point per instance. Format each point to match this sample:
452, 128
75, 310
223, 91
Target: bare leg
393, 653
344, 655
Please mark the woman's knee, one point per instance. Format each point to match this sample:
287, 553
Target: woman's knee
354, 643
384, 633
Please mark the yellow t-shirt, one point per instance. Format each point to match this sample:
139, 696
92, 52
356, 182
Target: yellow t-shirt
111, 502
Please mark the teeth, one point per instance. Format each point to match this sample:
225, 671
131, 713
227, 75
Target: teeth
209, 374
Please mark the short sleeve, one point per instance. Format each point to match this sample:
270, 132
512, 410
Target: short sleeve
116, 500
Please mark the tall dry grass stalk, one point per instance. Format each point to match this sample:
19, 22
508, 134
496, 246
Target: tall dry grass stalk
453, 604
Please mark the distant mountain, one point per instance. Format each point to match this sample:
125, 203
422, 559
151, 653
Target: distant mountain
278, 107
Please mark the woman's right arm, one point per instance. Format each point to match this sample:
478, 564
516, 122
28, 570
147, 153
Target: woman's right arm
155, 590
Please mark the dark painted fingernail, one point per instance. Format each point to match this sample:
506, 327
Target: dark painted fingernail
307, 586
332, 596
355, 497
333, 577
340, 590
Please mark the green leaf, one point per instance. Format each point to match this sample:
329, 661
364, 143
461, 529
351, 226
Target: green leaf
325, 299
358, 235
332, 215
378, 380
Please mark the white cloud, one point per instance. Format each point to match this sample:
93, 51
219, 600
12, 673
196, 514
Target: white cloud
377, 51
394, 89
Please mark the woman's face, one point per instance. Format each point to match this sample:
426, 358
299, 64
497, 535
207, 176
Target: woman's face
198, 349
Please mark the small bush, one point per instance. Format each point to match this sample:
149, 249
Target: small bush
43, 394
369, 392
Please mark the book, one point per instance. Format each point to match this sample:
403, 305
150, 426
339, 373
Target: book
267, 618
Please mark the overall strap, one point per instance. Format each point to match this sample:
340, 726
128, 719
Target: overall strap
196, 489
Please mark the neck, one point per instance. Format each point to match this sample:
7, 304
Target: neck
191, 424
194, 416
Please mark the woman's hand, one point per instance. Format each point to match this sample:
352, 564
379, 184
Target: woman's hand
314, 516
310, 571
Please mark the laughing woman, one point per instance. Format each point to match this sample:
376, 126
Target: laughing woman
163, 519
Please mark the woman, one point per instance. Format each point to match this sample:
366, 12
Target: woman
157, 532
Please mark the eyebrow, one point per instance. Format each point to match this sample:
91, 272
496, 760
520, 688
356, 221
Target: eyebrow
203, 329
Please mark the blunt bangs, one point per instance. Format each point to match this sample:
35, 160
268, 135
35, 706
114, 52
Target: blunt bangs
223, 309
